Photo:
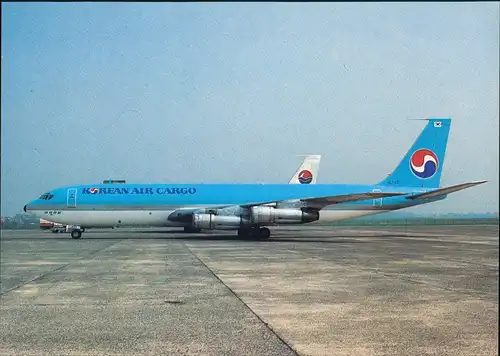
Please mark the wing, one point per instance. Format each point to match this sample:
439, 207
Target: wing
448, 190
184, 214
333, 199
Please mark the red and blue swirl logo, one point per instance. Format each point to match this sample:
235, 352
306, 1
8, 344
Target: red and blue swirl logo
94, 190
305, 177
424, 163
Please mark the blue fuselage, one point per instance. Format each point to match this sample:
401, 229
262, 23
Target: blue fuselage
151, 196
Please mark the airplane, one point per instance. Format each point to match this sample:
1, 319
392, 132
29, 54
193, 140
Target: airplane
250, 208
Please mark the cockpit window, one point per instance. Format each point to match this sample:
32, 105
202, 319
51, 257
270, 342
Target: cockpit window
46, 196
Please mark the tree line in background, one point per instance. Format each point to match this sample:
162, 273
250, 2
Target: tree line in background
20, 221
29, 221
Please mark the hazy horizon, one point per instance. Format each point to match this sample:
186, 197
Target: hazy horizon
232, 92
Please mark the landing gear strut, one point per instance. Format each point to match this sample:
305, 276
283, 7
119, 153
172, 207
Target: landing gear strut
254, 233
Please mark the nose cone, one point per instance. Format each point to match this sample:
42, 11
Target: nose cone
28, 207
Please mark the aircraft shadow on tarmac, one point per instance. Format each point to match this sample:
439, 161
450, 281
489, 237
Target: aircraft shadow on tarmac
200, 238
163, 235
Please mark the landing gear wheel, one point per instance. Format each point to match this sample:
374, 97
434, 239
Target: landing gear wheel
255, 233
76, 234
243, 232
264, 233
190, 229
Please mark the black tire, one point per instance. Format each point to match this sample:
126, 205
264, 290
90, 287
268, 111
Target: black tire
264, 233
76, 234
245, 233
255, 233
191, 230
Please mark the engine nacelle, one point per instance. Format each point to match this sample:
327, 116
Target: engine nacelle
211, 221
269, 215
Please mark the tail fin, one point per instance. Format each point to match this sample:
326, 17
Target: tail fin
308, 171
423, 163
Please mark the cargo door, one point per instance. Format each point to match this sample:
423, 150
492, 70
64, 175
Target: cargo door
71, 203
377, 202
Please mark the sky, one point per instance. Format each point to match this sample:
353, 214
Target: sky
233, 92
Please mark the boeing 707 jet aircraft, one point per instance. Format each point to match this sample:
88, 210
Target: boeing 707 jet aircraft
250, 208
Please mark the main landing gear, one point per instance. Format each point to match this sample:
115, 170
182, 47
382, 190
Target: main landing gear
191, 230
262, 233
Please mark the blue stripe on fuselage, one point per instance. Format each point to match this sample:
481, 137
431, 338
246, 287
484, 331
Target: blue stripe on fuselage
213, 194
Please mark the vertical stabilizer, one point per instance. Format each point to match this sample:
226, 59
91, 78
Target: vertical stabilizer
423, 163
308, 171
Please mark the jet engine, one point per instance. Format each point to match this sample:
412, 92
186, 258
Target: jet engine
259, 215
269, 215
211, 221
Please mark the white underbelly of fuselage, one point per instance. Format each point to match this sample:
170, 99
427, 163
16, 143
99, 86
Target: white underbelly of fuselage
111, 218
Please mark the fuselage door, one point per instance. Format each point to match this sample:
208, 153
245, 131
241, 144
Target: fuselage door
71, 203
377, 202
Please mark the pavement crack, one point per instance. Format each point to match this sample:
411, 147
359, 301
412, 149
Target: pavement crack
40, 277
243, 302
481, 296
416, 281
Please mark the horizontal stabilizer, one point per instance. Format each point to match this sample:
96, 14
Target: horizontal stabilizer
337, 199
442, 191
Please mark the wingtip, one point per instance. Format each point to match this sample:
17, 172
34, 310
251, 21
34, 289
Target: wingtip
480, 181
305, 155
430, 118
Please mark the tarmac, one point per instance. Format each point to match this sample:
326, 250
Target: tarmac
420, 290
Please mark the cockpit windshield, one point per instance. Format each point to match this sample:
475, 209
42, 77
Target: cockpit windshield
46, 196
